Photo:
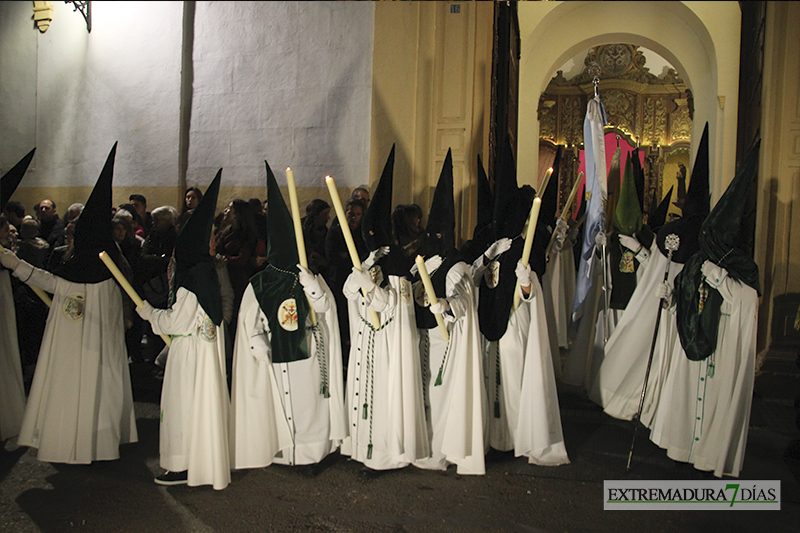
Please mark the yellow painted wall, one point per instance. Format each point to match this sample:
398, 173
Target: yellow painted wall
431, 91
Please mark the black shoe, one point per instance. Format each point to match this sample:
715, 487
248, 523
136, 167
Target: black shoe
172, 478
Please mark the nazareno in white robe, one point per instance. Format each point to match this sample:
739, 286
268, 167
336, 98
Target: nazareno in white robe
619, 381
384, 403
80, 407
455, 406
538, 434
559, 291
279, 413
12, 389
704, 410
193, 434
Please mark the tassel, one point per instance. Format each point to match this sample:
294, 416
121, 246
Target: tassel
497, 409
369, 451
364, 415
325, 392
438, 379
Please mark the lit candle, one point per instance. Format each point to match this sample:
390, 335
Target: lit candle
348, 239
545, 181
123, 282
298, 233
426, 282
533, 219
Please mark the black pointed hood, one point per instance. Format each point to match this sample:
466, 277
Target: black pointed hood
485, 199
695, 208
11, 179
721, 233
510, 213
376, 226
698, 193
699, 304
442, 215
194, 266
658, 216
93, 232
277, 288
638, 176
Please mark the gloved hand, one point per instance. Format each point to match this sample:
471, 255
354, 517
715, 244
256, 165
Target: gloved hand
9, 259
440, 307
600, 238
523, 274
664, 291
631, 243
497, 248
374, 257
561, 225
713, 273
573, 232
145, 310
362, 278
309, 281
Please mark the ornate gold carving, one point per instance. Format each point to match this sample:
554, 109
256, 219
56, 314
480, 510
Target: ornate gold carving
571, 114
680, 124
547, 119
620, 109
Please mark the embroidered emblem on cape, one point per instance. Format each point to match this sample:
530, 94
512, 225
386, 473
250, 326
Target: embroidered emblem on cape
376, 274
287, 314
74, 306
405, 290
493, 274
626, 262
703, 290
208, 330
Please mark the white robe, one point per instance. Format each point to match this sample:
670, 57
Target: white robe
80, 407
538, 435
384, 402
278, 411
703, 414
456, 405
559, 293
195, 407
619, 381
12, 389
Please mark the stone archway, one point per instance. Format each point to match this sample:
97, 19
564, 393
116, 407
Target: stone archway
700, 39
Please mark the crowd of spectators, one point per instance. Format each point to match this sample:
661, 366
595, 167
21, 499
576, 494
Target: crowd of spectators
146, 241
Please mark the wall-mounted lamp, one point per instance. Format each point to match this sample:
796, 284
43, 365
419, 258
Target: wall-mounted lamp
85, 7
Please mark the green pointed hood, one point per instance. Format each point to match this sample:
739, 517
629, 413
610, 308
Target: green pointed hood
277, 288
11, 179
628, 215
194, 266
613, 186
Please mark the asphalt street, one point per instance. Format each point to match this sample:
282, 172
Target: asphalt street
512, 496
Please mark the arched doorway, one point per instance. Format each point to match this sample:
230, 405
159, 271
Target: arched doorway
699, 39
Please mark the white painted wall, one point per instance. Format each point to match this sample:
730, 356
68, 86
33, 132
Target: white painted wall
119, 83
289, 82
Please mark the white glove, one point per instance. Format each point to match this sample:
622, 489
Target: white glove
351, 284
499, 246
600, 238
9, 259
145, 310
375, 256
631, 243
309, 281
561, 225
440, 307
362, 278
664, 291
713, 273
573, 232
523, 274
